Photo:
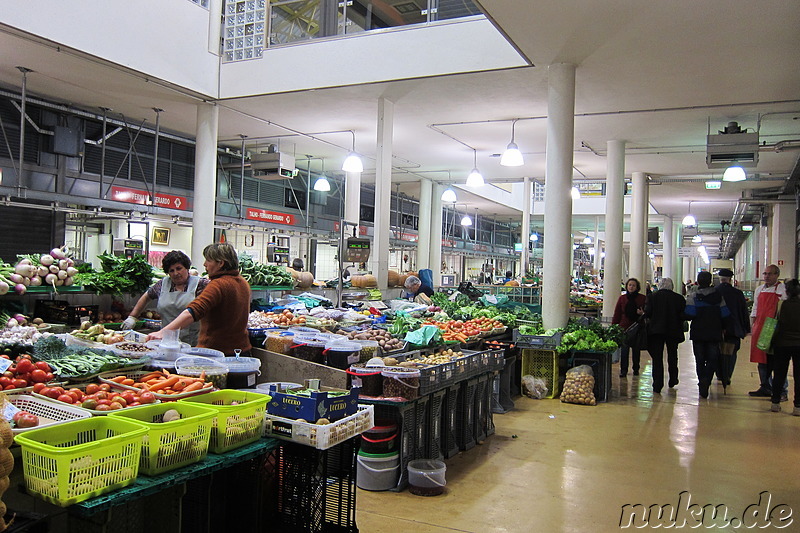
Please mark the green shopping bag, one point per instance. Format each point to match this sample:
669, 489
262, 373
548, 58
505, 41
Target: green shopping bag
768, 330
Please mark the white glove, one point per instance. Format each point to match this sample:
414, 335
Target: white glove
129, 323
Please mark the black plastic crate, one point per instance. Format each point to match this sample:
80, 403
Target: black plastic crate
465, 415
60, 312
404, 415
502, 401
434, 415
421, 429
449, 415
600, 363
316, 488
480, 424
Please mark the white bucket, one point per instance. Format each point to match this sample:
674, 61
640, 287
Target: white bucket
426, 477
378, 471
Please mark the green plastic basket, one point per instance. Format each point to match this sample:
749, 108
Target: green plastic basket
234, 425
75, 461
542, 364
171, 445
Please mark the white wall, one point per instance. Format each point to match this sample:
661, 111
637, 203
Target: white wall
164, 39
782, 242
455, 46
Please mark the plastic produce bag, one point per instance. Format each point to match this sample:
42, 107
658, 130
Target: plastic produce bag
579, 386
424, 335
535, 388
493, 299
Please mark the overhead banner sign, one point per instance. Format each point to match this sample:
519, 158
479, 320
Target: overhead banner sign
254, 213
136, 196
687, 251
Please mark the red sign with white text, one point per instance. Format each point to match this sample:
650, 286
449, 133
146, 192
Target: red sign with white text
362, 230
254, 213
136, 196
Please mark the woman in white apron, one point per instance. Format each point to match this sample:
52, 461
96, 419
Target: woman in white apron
173, 293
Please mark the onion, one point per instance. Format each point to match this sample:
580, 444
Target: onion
50, 278
54, 269
12, 322
27, 281
58, 253
63, 264
3, 287
20, 289
47, 260
43, 271
71, 271
16, 278
20, 318
36, 281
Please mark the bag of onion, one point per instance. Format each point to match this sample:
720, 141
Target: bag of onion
579, 386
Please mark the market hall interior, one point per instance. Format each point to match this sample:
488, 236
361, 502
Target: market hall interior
553, 467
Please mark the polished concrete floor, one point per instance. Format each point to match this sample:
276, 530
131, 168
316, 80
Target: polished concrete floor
560, 467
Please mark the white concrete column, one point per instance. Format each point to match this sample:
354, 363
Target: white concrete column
383, 192
639, 227
783, 239
424, 231
668, 242
598, 256
615, 213
214, 26
763, 249
557, 197
679, 261
525, 237
436, 234
352, 196
596, 245
205, 180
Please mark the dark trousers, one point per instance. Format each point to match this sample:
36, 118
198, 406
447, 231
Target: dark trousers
730, 360
655, 346
635, 354
780, 367
765, 375
706, 356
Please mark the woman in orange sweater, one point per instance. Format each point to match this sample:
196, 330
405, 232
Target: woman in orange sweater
222, 307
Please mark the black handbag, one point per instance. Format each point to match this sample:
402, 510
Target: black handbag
636, 335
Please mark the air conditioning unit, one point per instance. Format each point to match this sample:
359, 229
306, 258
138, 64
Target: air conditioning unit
273, 166
732, 146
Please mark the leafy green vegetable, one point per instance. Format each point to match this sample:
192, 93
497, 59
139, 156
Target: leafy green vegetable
259, 274
119, 276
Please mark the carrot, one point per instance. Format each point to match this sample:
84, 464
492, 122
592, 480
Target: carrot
203, 375
151, 375
119, 379
164, 384
181, 384
128, 382
197, 385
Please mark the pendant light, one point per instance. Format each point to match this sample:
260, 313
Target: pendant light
734, 173
322, 184
512, 157
689, 219
353, 163
587, 240
475, 179
449, 196
466, 220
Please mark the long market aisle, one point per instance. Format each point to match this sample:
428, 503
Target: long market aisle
561, 467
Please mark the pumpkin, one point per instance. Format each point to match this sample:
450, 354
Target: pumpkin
393, 278
512, 283
401, 281
305, 279
295, 274
364, 281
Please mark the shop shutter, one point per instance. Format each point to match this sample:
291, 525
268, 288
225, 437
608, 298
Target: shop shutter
17, 238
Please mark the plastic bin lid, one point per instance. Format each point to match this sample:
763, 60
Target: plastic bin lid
205, 352
280, 384
212, 366
242, 364
304, 329
342, 346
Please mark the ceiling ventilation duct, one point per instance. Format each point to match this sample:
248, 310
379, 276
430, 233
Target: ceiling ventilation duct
733, 145
273, 165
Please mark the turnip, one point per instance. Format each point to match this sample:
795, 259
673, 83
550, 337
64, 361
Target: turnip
58, 253
22, 319
54, 269
25, 261
25, 270
36, 281
70, 261
50, 279
47, 260
59, 282
62, 274
71, 271
20, 289
27, 281
16, 278
43, 271
69, 281
3, 287
63, 264
12, 322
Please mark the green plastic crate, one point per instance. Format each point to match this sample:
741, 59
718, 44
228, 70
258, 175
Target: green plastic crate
234, 425
542, 364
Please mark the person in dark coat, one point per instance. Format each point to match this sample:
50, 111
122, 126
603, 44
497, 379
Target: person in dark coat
740, 320
665, 310
706, 308
629, 308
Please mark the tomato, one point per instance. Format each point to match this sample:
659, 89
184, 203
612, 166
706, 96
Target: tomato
25, 366
17, 415
134, 404
103, 402
90, 404
120, 400
128, 396
19, 383
50, 376
52, 392
28, 420
41, 365
92, 388
77, 397
102, 395
105, 387
39, 376
114, 406
4, 381
39, 387
9, 387
8, 374
76, 392
147, 397
103, 407
66, 398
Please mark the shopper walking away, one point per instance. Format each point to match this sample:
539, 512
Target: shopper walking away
629, 309
765, 303
786, 343
739, 325
173, 293
223, 306
664, 309
706, 308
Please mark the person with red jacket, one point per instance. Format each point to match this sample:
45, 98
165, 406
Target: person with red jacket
629, 308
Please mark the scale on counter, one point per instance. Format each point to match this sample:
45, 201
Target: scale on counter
128, 248
356, 250
278, 254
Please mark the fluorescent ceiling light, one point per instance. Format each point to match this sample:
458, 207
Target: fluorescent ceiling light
352, 163
697, 238
534, 237
322, 184
713, 184
449, 195
734, 173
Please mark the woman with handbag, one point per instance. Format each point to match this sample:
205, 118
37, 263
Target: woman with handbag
786, 346
664, 309
628, 311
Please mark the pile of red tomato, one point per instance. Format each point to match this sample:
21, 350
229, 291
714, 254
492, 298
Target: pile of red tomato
96, 397
24, 373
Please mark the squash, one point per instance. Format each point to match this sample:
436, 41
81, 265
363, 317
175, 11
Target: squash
512, 283
295, 274
401, 281
305, 280
393, 278
365, 281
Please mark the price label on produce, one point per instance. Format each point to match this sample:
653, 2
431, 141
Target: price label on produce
4, 364
9, 410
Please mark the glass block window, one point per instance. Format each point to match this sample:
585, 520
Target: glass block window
201, 3
538, 192
244, 29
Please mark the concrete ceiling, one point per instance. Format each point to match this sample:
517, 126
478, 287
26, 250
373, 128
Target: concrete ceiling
659, 75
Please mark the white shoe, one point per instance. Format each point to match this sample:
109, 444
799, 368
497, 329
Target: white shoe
776, 408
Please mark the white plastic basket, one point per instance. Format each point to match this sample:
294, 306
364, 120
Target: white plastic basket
323, 436
49, 413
